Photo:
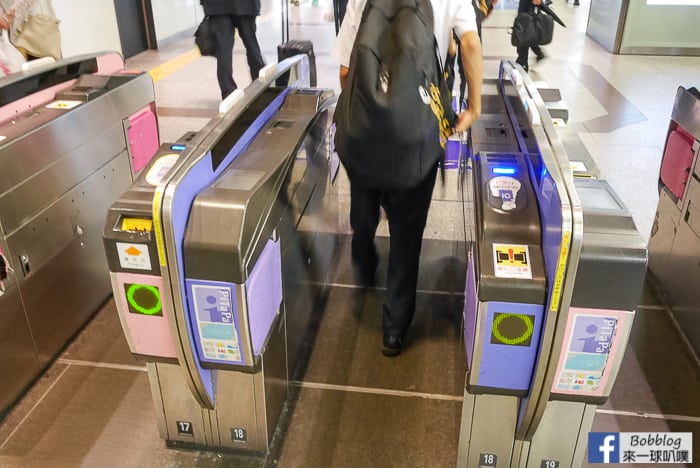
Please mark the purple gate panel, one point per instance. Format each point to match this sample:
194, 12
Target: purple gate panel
264, 290
471, 302
510, 345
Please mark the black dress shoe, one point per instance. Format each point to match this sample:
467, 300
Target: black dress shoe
391, 345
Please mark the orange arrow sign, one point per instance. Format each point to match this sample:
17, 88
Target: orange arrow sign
133, 251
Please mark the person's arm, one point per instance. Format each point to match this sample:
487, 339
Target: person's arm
470, 48
343, 76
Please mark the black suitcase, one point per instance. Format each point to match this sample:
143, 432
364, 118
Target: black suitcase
292, 48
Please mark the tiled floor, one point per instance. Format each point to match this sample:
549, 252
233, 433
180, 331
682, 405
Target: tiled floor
353, 407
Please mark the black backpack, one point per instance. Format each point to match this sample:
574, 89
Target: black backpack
393, 116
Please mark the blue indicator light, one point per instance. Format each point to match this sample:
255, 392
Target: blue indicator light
503, 170
177, 147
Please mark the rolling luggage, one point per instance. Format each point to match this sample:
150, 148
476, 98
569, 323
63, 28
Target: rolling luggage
292, 48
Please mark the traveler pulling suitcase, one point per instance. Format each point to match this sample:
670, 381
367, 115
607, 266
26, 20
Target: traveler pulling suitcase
290, 48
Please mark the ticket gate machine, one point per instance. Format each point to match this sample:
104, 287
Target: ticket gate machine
72, 135
674, 245
222, 232
609, 279
557, 357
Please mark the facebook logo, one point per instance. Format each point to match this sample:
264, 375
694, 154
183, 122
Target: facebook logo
603, 447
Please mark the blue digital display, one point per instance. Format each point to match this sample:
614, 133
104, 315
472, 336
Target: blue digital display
503, 170
178, 147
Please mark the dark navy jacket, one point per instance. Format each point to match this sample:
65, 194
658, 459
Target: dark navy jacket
231, 7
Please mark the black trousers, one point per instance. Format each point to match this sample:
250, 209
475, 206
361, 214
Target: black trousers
224, 27
339, 7
407, 212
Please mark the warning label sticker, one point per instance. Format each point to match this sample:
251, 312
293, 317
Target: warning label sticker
511, 261
64, 104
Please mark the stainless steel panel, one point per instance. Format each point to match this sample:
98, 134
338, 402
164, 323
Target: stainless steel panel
275, 383
31, 195
236, 409
249, 405
586, 425
48, 136
606, 20
682, 287
185, 420
465, 429
663, 232
557, 434
18, 360
492, 428
691, 217
158, 403
64, 287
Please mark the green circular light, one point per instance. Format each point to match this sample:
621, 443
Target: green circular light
130, 297
529, 327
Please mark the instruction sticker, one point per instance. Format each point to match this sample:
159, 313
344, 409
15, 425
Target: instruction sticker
134, 256
160, 169
589, 343
63, 104
511, 261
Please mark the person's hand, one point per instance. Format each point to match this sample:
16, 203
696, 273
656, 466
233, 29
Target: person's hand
465, 120
6, 19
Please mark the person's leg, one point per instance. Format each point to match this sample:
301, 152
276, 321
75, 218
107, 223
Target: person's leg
222, 26
407, 211
538, 52
364, 218
246, 29
522, 57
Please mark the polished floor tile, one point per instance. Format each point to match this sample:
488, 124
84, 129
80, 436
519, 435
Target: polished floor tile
345, 429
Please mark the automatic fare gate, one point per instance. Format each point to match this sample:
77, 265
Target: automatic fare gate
555, 271
217, 230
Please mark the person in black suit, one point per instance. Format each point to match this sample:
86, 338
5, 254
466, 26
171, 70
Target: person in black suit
526, 5
226, 17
